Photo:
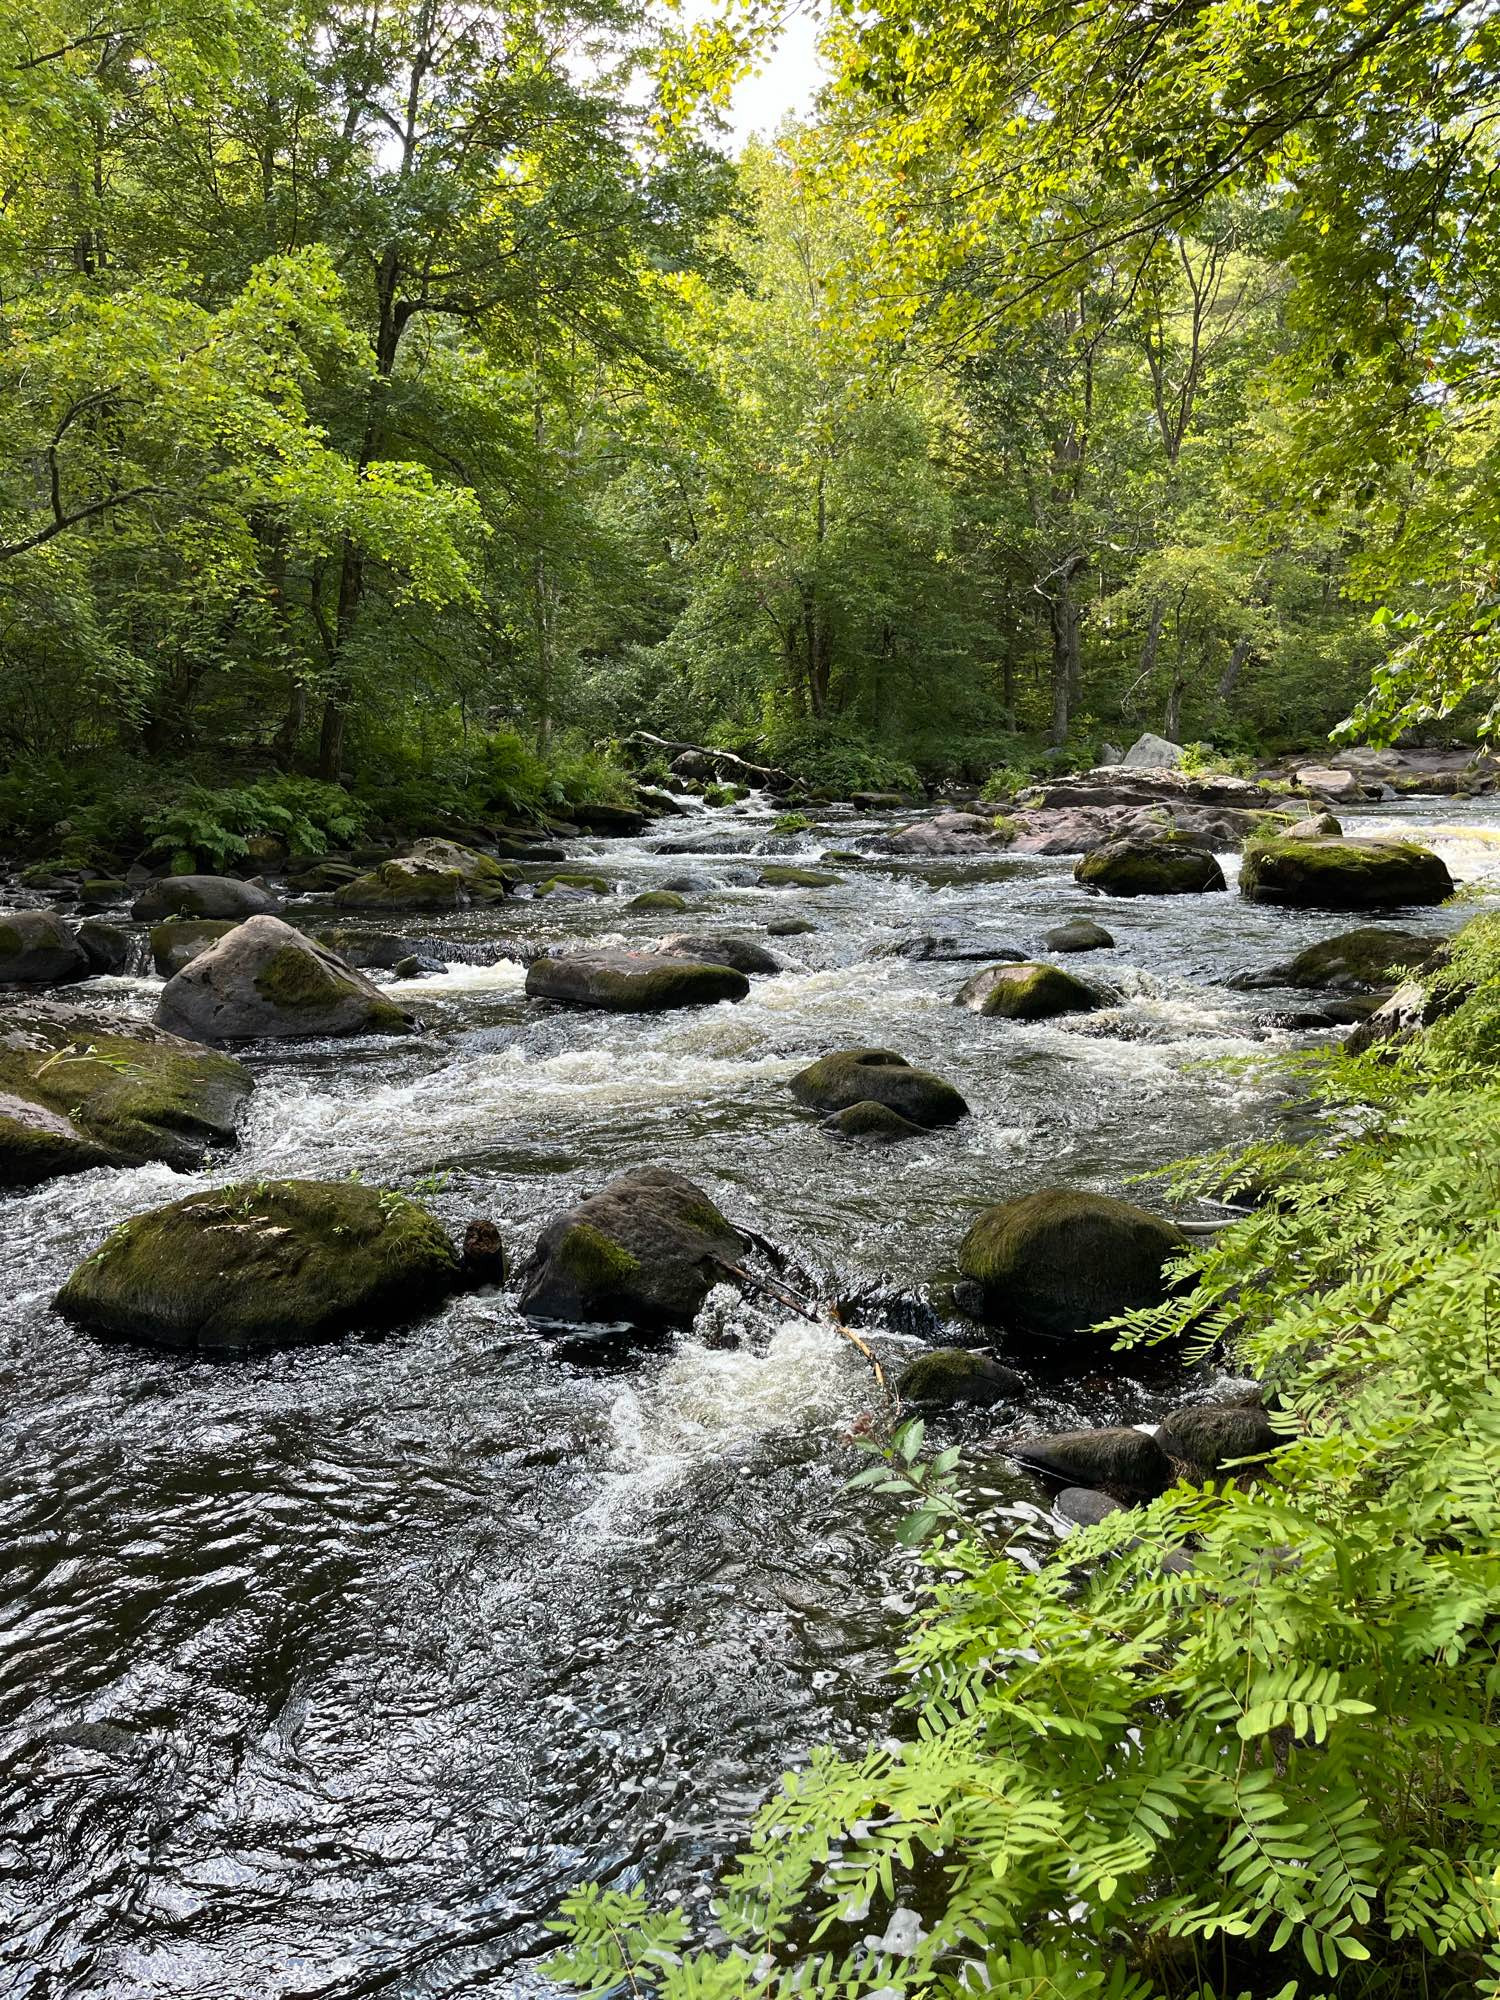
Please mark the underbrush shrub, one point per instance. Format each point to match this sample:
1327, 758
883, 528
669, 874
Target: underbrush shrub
1268, 1772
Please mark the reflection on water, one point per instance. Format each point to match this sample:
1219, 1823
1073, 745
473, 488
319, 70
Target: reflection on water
328, 1673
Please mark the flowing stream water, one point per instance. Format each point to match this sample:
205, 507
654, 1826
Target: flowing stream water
328, 1673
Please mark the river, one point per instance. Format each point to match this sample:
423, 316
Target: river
328, 1673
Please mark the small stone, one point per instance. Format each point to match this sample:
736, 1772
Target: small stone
483, 1260
872, 1124
1078, 934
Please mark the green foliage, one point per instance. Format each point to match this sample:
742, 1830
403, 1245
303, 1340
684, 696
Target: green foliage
827, 758
1272, 1772
203, 830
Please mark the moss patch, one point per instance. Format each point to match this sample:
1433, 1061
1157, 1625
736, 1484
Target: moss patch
1343, 874
797, 878
296, 978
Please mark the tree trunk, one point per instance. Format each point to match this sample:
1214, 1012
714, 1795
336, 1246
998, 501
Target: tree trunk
1066, 650
1233, 668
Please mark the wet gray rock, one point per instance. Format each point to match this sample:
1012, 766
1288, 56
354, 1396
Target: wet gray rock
790, 927
1058, 1261
951, 951
1152, 753
1317, 826
952, 1377
265, 979
633, 982
106, 946
203, 896
1078, 934
38, 949
1084, 1506
855, 1076
1359, 961
721, 948
646, 1250
873, 1124
178, 943
1119, 1460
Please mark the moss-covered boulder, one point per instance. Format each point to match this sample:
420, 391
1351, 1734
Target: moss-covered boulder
873, 1124
436, 875
952, 1377
203, 896
38, 949
1119, 1460
790, 927
577, 885
1078, 934
1162, 867
797, 878
1327, 874
1058, 1261
79, 1090
1362, 961
176, 944
646, 1250
1026, 992
1205, 1438
633, 982
721, 948
265, 979
856, 1076
267, 1264
658, 899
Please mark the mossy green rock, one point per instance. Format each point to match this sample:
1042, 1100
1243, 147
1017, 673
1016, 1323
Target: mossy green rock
436, 875
202, 896
633, 982
1343, 874
1058, 1261
1027, 992
580, 885
658, 899
1361, 961
879, 1076
176, 944
646, 1250
1163, 867
1204, 1438
78, 1090
264, 1265
1119, 1460
265, 979
38, 949
721, 948
954, 1377
873, 1124
797, 878
790, 927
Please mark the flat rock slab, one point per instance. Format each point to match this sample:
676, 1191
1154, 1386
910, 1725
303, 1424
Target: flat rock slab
633, 982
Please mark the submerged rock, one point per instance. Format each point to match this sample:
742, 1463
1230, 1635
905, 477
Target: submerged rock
38, 949
1122, 1460
1058, 1261
789, 927
874, 1124
721, 948
1204, 1437
951, 1376
202, 896
797, 878
178, 943
79, 1090
1026, 992
647, 1249
1078, 934
855, 1076
1343, 874
931, 950
265, 979
264, 1265
1361, 961
633, 982
1149, 868
658, 899
436, 875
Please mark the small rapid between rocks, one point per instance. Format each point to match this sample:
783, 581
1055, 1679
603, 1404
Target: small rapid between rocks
327, 1673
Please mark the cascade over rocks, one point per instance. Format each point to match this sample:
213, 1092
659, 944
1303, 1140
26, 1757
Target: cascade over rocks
268, 1265
38, 949
1159, 867
956, 1376
1057, 1262
1027, 992
647, 1249
721, 948
633, 982
1359, 961
79, 1089
265, 979
856, 1076
202, 896
1120, 1460
1343, 874
436, 875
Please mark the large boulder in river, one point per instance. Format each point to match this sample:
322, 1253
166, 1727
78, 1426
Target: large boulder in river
878, 1076
38, 949
1026, 992
1343, 874
178, 943
264, 1265
1120, 1460
1058, 1261
436, 875
647, 1249
79, 1090
1360, 961
633, 982
265, 979
721, 948
202, 896
1149, 868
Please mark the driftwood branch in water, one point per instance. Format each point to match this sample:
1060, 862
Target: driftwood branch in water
774, 1289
